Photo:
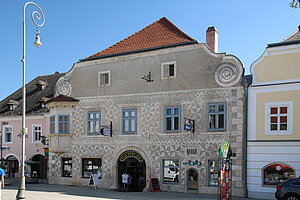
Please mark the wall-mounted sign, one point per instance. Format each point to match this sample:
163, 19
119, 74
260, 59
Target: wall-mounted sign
225, 149
106, 130
131, 154
189, 125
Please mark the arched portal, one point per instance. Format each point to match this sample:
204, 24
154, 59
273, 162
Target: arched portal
192, 183
38, 167
11, 165
133, 164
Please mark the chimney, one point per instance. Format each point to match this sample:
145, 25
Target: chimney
212, 38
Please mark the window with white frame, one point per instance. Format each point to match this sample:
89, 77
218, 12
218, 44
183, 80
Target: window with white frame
104, 78
279, 118
172, 119
64, 124
129, 121
8, 134
36, 132
169, 70
52, 124
93, 123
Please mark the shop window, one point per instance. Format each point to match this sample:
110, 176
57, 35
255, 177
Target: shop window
36, 132
274, 174
93, 122
64, 124
168, 70
216, 115
8, 133
172, 119
52, 124
213, 173
170, 171
67, 167
129, 121
279, 118
91, 166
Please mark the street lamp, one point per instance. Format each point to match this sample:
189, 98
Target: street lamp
2, 124
35, 15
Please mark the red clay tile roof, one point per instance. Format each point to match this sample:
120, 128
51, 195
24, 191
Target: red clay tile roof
158, 34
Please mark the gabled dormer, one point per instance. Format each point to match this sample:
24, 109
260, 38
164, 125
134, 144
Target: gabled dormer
12, 105
41, 85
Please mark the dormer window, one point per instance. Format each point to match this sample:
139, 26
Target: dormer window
41, 85
42, 102
12, 105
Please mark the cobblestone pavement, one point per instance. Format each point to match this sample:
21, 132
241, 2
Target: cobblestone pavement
41, 191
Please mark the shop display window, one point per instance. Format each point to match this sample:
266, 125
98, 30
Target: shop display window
213, 173
91, 166
274, 174
67, 167
170, 171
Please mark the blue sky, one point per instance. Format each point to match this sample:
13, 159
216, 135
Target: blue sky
76, 29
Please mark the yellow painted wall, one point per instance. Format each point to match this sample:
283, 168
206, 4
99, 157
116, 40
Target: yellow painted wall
262, 99
278, 67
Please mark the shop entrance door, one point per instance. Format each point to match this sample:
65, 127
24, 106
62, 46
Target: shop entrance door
192, 180
133, 164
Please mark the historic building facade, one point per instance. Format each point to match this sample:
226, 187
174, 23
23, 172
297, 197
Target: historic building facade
273, 132
38, 91
125, 110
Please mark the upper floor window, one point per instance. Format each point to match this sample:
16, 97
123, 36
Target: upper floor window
168, 70
8, 133
171, 171
64, 124
104, 78
129, 121
52, 124
279, 118
172, 118
274, 174
36, 132
93, 122
216, 115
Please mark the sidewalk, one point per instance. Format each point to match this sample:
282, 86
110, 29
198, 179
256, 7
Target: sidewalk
42, 191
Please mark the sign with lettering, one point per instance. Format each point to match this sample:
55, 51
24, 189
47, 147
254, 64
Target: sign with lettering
225, 149
131, 154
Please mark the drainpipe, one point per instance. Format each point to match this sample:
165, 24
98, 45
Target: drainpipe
247, 81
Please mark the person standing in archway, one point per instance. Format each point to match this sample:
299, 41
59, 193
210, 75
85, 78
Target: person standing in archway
2, 173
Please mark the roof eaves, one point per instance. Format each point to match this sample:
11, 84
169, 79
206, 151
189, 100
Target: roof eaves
138, 51
284, 43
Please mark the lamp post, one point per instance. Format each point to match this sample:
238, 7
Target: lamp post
2, 124
35, 15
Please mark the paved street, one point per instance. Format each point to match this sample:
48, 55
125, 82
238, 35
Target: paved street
50, 192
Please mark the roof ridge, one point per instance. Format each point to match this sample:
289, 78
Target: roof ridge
168, 29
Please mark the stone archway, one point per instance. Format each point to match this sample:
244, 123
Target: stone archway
11, 165
192, 180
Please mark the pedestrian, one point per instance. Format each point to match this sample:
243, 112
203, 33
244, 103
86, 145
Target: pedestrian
2, 173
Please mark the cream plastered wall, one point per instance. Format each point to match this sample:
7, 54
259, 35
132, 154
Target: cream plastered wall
278, 67
262, 99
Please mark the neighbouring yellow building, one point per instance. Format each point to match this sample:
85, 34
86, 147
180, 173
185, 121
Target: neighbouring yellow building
273, 139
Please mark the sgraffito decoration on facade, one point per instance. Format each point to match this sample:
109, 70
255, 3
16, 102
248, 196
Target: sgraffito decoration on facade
228, 74
63, 87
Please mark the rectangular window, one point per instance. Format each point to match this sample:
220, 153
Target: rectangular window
52, 124
129, 121
213, 172
36, 132
104, 78
216, 115
63, 124
91, 166
279, 118
67, 167
168, 70
172, 118
93, 122
8, 133
171, 171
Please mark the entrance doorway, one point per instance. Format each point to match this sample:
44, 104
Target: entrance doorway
133, 164
192, 180
38, 168
12, 166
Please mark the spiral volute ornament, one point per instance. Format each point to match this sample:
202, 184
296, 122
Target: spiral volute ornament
227, 74
64, 88
37, 16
